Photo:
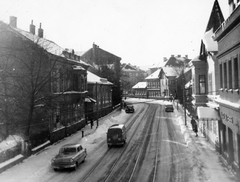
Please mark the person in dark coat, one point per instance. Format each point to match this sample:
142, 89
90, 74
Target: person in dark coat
194, 126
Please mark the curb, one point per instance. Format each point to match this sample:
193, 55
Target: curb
11, 162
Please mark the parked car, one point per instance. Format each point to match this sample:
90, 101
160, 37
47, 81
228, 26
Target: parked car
129, 108
169, 107
69, 156
116, 135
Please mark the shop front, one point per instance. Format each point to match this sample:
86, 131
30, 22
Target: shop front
230, 135
209, 124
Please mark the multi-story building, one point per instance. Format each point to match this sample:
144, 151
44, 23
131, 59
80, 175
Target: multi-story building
153, 85
168, 83
43, 86
105, 65
228, 83
203, 105
99, 100
131, 75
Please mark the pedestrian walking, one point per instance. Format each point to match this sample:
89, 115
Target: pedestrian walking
91, 123
194, 126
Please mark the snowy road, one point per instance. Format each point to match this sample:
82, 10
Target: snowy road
156, 150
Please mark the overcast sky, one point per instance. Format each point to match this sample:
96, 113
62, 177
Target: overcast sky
141, 32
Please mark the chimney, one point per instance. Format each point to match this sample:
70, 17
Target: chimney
179, 55
164, 59
40, 31
13, 21
186, 56
172, 55
32, 28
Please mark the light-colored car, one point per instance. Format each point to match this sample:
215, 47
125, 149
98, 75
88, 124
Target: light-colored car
69, 156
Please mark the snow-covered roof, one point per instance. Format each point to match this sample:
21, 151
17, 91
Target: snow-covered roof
157, 65
171, 71
140, 85
48, 45
92, 78
154, 75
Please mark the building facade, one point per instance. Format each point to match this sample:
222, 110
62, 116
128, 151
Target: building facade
228, 83
105, 65
43, 86
153, 85
99, 101
130, 76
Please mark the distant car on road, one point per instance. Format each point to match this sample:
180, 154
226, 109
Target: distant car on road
69, 156
116, 135
169, 107
129, 108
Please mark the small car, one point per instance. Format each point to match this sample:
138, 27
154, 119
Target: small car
69, 156
129, 108
169, 108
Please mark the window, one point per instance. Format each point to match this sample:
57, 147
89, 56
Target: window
230, 74
221, 76
210, 83
202, 84
225, 75
236, 73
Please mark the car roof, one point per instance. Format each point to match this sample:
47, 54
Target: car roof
117, 126
72, 145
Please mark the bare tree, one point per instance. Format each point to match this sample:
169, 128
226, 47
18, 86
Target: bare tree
26, 68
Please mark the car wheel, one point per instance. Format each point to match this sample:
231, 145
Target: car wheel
84, 159
109, 146
55, 169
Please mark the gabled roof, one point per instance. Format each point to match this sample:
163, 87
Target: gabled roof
48, 45
92, 78
171, 71
157, 65
100, 53
130, 68
154, 75
140, 85
176, 61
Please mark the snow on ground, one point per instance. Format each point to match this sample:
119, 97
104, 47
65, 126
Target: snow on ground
204, 160
10, 142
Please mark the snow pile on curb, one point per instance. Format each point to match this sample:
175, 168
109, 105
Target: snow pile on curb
184, 131
11, 141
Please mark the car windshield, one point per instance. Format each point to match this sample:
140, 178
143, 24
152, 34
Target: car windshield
114, 131
68, 150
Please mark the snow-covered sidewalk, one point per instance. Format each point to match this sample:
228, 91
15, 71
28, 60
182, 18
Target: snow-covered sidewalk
205, 161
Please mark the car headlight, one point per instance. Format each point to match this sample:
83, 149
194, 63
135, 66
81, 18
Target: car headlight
71, 160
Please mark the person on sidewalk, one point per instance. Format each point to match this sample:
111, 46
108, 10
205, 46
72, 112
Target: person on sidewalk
194, 126
91, 121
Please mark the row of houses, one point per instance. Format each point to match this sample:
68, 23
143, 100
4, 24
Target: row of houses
48, 90
208, 85
164, 81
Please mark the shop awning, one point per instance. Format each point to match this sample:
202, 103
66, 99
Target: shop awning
89, 99
207, 113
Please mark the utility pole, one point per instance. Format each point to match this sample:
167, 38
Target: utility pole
97, 102
184, 99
